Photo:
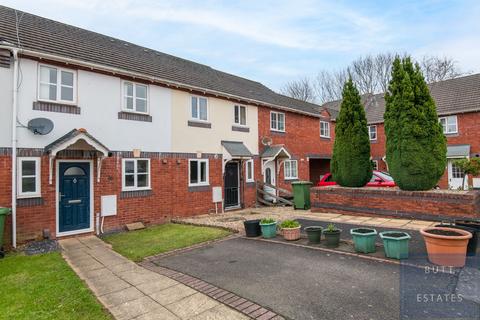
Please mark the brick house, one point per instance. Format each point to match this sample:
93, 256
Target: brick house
458, 107
138, 135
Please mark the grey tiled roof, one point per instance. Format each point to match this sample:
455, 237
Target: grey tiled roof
236, 149
451, 96
52, 37
273, 150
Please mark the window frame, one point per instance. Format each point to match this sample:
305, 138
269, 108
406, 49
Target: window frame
38, 177
376, 165
135, 174
134, 98
58, 84
445, 129
370, 132
290, 177
207, 173
328, 131
198, 109
252, 178
239, 106
276, 121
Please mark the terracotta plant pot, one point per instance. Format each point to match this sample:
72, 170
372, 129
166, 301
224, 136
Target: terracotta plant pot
291, 234
446, 246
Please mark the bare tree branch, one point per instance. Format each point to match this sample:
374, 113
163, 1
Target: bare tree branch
436, 68
301, 89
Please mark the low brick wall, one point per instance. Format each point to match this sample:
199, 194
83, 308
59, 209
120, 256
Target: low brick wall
429, 205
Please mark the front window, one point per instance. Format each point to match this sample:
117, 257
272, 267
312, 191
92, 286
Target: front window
28, 177
375, 164
249, 170
324, 129
199, 109
240, 116
291, 169
136, 174
449, 124
277, 121
372, 132
56, 84
198, 172
135, 97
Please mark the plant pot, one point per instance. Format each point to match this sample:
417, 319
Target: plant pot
291, 234
269, 230
395, 244
252, 228
472, 242
314, 234
446, 246
332, 238
364, 239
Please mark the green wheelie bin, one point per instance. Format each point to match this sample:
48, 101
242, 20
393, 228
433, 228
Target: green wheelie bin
3, 214
301, 194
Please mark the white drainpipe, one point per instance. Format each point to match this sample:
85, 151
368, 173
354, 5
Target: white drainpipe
14, 142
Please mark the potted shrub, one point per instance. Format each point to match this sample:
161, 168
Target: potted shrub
269, 227
332, 235
314, 234
446, 246
395, 244
290, 230
364, 239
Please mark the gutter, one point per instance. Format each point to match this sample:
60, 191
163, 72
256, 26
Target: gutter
168, 83
14, 142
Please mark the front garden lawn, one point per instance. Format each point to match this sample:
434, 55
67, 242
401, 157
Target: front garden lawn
136, 245
44, 287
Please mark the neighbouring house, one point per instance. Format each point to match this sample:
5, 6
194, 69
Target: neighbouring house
458, 107
138, 135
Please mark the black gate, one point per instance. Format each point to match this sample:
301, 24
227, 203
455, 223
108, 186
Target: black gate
231, 185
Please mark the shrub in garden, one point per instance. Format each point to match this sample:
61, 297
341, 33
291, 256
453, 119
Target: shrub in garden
415, 147
351, 165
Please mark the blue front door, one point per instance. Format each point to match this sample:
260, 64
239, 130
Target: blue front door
74, 196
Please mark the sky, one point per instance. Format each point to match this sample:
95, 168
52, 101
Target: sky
276, 41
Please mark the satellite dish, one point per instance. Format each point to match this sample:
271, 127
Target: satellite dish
41, 126
266, 141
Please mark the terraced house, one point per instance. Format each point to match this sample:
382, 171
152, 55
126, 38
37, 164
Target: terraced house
97, 132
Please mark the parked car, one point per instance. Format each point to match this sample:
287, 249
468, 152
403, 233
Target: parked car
379, 179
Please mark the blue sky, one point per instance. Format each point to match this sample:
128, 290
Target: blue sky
277, 41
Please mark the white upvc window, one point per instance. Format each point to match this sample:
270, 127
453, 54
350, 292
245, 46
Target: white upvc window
135, 174
135, 97
57, 84
372, 132
198, 172
449, 124
28, 177
277, 121
290, 169
199, 108
375, 164
249, 173
240, 115
324, 129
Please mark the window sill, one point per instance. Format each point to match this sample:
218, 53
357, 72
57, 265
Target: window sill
127, 115
291, 179
277, 132
136, 193
30, 201
56, 107
373, 141
199, 124
325, 138
240, 128
199, 188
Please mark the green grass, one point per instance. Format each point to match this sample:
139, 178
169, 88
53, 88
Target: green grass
136, 245
44, 287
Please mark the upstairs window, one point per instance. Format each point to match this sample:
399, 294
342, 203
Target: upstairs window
291, 169
136, 174
449, 124
135, 97
277, 121
372, 132
28, 177
198, 172
324, 129
249, 170
240, 115
199, 108
56, 84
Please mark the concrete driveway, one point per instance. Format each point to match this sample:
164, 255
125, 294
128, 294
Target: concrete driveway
302, 283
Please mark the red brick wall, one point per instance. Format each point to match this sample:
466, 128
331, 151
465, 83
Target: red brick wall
301, 139
436, 205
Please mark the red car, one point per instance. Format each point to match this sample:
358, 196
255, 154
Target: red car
379, 179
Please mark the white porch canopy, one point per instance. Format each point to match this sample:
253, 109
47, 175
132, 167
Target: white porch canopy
234, 150
272, 153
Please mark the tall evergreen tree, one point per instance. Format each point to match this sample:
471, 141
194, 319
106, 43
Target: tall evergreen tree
416, 146
351, 165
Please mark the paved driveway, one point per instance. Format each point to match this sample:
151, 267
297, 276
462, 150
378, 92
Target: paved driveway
302, 283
